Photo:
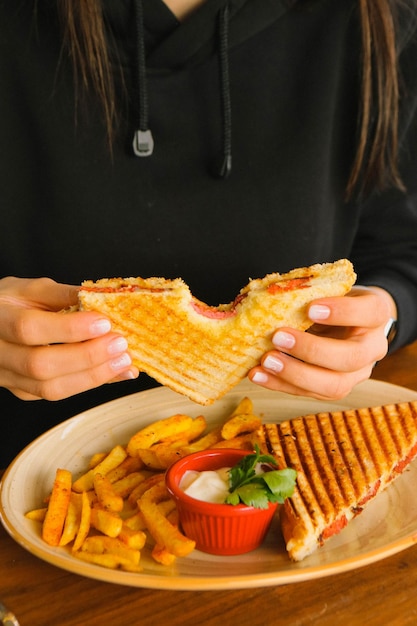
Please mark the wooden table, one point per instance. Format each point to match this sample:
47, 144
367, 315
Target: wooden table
382, 594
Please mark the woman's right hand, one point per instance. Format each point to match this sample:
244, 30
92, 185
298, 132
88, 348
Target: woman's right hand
47, 354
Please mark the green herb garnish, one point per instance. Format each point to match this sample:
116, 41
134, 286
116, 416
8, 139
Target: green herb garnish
257, 489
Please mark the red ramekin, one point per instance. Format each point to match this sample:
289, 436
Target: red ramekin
221, 529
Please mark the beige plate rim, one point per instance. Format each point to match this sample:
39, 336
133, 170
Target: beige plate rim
387, 526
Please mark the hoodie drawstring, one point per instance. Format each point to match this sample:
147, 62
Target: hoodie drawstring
222, 166
143, 143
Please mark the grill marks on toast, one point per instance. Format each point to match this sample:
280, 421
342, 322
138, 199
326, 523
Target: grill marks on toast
225, 358
203, 351
343, 459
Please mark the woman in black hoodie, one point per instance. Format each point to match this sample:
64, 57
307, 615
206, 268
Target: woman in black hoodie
209, 139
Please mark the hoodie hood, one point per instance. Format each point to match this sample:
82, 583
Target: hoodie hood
171, 44
158, 41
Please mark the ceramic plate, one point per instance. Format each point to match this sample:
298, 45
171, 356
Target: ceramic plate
388, 524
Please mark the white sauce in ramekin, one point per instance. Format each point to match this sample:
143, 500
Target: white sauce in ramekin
210, 485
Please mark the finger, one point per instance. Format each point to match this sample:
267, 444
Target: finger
53, 361
42, 293
65, 388
32, 327
23, 395
299, 378
361, 307
355, 351
60, 387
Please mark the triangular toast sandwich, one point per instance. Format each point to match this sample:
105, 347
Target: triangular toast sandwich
343, 460
202, 351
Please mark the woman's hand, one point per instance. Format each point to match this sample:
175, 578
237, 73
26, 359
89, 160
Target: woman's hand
45, 353
338, 352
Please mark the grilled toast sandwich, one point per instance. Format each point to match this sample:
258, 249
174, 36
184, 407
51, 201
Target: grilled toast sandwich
343, 460
202, 351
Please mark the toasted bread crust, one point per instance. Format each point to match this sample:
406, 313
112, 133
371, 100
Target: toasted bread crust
343, 459
203, 351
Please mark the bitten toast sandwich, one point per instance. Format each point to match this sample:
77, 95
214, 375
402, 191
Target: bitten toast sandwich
203, 351
343, 460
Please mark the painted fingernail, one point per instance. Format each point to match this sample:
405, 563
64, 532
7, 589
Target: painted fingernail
283, 340
260, 377
318, 312
100, 327
128, 375
273, 364
121, 362
117, 346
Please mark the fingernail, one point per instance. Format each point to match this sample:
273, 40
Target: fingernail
273, 364
260, 377
123, 361
128, 375
100, 327
283, 340
318, 312
117, 346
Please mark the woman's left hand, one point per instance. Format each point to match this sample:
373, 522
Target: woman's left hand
339, 350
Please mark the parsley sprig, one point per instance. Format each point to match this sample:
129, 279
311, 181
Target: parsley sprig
257, 488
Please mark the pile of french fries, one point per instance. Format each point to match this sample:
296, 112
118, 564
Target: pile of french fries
120, 504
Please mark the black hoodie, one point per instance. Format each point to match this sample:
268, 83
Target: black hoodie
288, 69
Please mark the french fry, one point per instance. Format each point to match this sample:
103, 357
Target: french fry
116, 456
245, 407
144, 486
172, 516
161, 455
166, 507
242, 423
129, 567
111, 561
162, 556
129, 465
91, 495
37, 515
135, 539
106, 522
99, 544
106, 495
96, 459
126, 485
198, 426
72, 519
163, 532
53, 523
85, 522
242, 442
157, 431
206, 441
135, 522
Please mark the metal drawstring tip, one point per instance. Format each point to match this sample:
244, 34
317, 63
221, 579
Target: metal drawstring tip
143, 143
222, 166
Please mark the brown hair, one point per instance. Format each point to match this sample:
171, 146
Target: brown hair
85, 40
378, 141
375, 164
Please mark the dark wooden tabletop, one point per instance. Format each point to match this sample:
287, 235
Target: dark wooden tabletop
380, 594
